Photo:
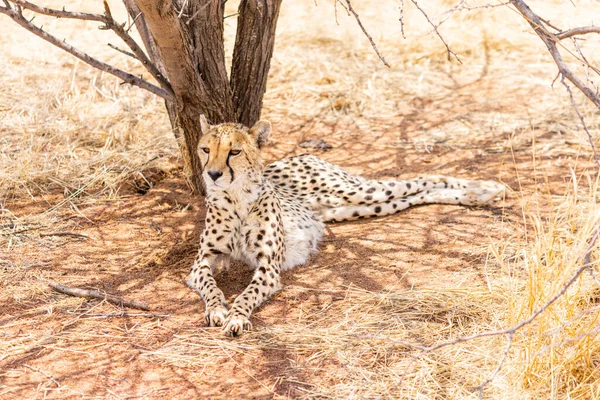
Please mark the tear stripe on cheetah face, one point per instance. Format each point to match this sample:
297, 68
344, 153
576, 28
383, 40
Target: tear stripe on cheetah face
230, 153
273, 219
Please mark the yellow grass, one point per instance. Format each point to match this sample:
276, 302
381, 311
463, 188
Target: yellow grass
68, 129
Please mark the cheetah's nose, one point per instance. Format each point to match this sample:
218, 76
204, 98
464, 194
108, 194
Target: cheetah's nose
215, 175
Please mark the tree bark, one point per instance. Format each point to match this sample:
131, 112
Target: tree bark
193, 56
254, 43
188, 47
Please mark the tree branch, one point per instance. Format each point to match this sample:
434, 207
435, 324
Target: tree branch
509, 332
109, 23
550, 40
119, 30
437, 32
58, 13
577, 31
366, 33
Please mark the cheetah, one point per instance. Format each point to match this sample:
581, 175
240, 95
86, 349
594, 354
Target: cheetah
273, 218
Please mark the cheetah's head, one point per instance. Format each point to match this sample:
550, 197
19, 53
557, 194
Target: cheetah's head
230, 153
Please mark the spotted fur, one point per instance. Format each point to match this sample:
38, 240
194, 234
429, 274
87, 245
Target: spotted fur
273, 218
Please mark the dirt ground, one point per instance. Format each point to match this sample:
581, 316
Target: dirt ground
423, 276
141, 246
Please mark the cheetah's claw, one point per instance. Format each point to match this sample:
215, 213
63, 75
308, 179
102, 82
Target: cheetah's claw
236, 324
216, 316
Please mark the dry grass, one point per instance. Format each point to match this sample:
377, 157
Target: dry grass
72, 137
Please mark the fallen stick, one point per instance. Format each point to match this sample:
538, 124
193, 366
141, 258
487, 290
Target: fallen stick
122, 314
72, 234
94, 294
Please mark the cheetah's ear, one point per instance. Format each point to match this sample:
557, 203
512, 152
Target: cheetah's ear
260, 132
204, 125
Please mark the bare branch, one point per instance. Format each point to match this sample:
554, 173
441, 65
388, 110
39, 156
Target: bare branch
577, 31
550, 40
94, 294
509, 332
59, 13
437, 32
498, 367
119, 30
125, 76
366, 33
132, 24
585, 63
109, 23
127, 53
402, 18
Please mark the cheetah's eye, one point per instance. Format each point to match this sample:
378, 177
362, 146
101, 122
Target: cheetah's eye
206, 150
235, 152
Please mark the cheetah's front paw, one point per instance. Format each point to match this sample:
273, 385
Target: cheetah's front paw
236, 324
216, 316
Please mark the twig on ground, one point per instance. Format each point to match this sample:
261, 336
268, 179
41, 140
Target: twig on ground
366, 33
94, 294
111, 315
72, 234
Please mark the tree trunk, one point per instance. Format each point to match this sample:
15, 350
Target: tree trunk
188, 47
254, 43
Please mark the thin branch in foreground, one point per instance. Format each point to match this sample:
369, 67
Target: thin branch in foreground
125, 76
165, 92
402, 18
366, 33
127, 53
586, 64
509, 332
58, 13
437, 32
480, 388
94, 294
577, 31
121, 32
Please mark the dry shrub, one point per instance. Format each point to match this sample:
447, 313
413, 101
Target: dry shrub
558, 355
